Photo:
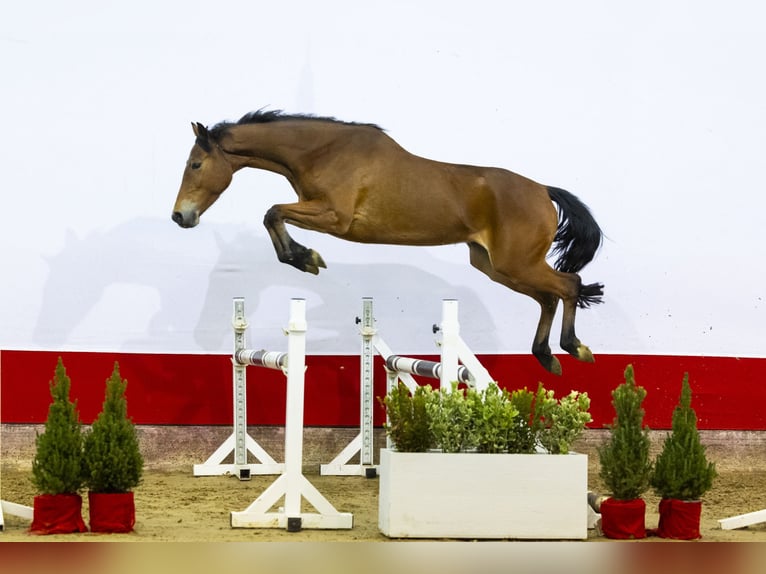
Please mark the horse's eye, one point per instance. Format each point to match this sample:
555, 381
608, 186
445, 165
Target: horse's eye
196, 165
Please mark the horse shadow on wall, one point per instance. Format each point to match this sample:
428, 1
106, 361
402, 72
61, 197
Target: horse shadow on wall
132, 254
406, 299
194, 278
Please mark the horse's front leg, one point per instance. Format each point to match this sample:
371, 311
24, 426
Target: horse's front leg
312, 215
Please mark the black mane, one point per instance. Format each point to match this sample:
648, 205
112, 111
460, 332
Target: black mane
269, 116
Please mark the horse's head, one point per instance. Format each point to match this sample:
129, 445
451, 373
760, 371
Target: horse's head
208, 173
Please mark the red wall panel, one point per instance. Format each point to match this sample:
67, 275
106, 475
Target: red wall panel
197, 390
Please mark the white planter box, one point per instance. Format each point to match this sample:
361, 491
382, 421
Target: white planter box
472, 495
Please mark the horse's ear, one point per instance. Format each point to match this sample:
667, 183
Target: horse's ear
199, 130
203, 136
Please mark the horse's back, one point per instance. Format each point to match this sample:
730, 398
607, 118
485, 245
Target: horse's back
387, 194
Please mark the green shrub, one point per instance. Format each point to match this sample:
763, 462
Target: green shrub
682, 470
112, 460
493, 421
523, 437
407, 425
496, 419
451, 417
561, 421
624, 459
57, 467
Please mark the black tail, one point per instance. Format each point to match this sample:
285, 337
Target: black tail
578, 236
590, 295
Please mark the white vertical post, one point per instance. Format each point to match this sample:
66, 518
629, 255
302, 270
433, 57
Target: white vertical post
367, 390
291, 485
296, 353
450, 329
239, 322
392, 380
363, 443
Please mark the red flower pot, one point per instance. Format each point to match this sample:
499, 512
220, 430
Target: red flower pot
57, 514
111, 512
623, 519
679, 519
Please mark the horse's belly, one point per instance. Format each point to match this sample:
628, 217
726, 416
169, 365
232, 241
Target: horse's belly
404, 229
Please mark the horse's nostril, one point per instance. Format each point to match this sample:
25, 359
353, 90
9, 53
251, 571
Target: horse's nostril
178, 217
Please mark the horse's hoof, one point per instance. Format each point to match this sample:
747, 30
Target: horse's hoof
555, 366
317, 260
551, 364
313, 262
547, 360
307, 260
584, 354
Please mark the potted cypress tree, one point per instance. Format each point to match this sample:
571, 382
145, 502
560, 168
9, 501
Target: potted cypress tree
625, 464
112, 462
682, 473
57, 465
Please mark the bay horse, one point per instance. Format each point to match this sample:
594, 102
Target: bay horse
355, 182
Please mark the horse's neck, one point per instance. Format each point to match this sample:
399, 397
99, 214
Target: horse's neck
274, 146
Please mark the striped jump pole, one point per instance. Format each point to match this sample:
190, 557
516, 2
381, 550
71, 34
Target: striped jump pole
424, 368
267, 359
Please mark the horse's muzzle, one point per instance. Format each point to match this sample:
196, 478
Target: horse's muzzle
179, 218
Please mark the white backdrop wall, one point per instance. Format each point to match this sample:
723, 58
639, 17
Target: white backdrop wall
653, 113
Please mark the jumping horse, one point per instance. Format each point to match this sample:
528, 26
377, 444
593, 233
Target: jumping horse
355, 182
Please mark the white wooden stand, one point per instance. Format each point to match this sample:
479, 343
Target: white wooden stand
743, 520
239, 443
13, 509
291, 485
453, 351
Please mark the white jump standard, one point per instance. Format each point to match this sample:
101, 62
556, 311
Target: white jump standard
291, 485
448, 370
453, 350
362, 444
240, 443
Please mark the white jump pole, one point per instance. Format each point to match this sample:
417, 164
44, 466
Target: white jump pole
240, 443
453, 352
743, 520
291, 485
13, 509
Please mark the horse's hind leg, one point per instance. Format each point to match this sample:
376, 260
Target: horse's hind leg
546, 286
548, 302
586, 295
541, 349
